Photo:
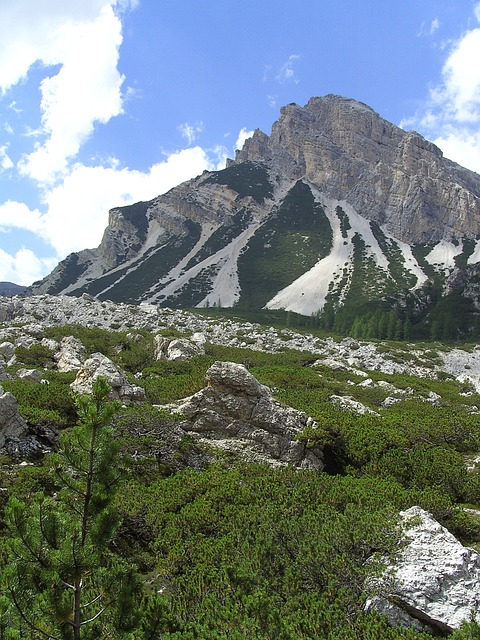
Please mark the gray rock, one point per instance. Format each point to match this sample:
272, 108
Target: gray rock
176, 348
236, 413
434, 581
397, 178
99, 365
5, 310
7, 351
50, 343
12, 425
30, 374
71, 354
350, 404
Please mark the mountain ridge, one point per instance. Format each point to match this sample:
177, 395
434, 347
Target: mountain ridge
337, 205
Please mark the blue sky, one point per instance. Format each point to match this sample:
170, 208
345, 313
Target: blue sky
108, 102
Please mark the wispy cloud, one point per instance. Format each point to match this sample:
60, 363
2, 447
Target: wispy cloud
450, 115
429, 29
5, 160
287, 72
190, 131
272, 101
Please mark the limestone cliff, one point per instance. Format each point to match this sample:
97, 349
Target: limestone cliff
398, 179
335, 206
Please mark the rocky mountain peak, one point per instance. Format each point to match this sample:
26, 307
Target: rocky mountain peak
335, 207
396, 178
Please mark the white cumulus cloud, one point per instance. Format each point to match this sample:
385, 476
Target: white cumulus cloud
76, 46
17, 215
86, 90
24, 267
242, 136
451, 114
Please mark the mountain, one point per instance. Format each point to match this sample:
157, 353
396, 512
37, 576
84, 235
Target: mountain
11, 289
335, 212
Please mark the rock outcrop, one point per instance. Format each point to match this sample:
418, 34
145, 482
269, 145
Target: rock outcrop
433, 582
396, 178
7, 352
176, 348
12, 425
234, 412
99, 365
70, 355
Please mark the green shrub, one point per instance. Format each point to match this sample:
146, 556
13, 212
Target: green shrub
38, 355
44, 402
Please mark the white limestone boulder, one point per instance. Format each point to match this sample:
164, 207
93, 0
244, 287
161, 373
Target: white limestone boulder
434, 581
348, 403
177, 348
236, 413
34, 375
99, 365
7, 352
71, 354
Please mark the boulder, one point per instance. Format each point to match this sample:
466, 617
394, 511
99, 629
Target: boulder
30, 374
12, 425
71, 354
99, 365
236, 413
348, 403
3, 374
7, 351
6, 309
177, 348
433, 582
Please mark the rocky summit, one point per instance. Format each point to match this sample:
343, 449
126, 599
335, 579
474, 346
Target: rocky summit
337, 208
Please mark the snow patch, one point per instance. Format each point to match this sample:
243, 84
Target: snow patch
307, 295
475, 257
443, 255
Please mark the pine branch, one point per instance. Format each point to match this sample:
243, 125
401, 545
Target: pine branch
27, 620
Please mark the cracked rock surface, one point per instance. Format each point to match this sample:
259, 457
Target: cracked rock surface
434, 581
236, 413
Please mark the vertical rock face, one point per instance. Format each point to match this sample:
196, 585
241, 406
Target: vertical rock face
395, 178
434, 581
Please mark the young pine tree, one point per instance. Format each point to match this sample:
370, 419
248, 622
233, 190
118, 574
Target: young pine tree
61, 579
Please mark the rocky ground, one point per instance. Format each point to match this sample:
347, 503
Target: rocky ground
235, 412
24, 318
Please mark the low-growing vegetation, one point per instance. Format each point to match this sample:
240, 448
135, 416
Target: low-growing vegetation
212, 547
